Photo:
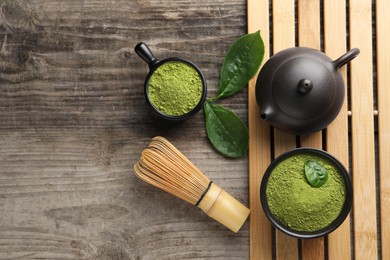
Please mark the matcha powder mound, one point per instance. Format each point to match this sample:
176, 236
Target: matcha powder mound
175, 88
298, 205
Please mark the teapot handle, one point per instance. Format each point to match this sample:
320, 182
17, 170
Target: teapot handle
345, 58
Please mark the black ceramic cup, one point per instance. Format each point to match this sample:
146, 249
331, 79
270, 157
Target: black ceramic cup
145, 53
336, 222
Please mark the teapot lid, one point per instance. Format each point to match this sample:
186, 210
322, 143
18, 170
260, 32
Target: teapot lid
304, 87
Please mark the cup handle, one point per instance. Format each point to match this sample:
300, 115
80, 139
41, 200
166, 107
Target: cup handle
146, 54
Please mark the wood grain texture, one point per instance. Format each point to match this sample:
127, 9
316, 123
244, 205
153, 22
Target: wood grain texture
286, 246
383, 79
363, 150
259, 145
283, 37
335, 35
339, 241
309, 35
73, 121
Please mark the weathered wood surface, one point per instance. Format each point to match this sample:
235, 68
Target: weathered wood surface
73, 121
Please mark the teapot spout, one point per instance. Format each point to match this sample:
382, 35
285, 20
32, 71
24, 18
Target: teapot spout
347, 57
266, 114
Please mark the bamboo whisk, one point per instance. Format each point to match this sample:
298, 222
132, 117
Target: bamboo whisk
165, 167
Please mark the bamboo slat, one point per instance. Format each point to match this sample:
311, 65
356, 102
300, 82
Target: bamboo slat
339, 241
286, 246
361, 95
363, 149
284, 37
383, 79
259, 147
310, 36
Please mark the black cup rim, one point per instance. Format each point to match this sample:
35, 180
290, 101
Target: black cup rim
335, 223
188, 114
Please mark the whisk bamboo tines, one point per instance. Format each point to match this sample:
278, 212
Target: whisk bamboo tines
165, 167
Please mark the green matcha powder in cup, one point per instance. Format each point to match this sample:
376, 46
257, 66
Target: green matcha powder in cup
297, 204
175, 88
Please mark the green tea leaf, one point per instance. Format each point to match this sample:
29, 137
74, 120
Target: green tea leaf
241, 63
315, 174
227, 133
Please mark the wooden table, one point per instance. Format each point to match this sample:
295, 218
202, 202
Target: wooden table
73, 121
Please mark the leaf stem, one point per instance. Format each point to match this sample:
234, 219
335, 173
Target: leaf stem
212, 99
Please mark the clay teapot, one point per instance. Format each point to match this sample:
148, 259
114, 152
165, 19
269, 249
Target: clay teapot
300, 90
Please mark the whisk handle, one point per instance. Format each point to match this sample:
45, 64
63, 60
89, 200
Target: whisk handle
225, 209
204, 193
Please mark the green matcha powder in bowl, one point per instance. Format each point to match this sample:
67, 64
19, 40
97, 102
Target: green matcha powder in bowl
296, 206
174, 88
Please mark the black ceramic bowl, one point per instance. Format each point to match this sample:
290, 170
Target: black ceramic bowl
336, 222
144, 52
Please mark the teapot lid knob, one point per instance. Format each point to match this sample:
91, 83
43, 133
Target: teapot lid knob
305, 86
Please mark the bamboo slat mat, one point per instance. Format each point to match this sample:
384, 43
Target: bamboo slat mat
359, 137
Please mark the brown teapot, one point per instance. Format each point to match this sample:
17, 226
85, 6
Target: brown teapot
300, 90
